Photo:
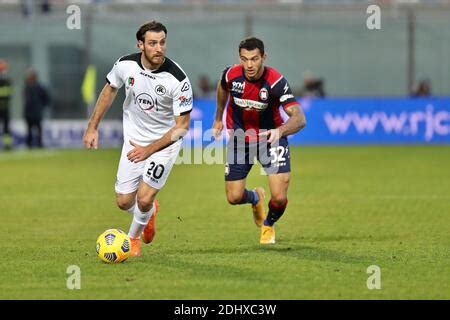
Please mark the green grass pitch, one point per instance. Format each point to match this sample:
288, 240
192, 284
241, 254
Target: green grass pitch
349, 208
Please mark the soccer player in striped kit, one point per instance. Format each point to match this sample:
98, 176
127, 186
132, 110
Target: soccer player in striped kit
252, 94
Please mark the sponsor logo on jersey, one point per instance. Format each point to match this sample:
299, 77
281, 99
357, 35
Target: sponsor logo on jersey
131, 81
160, 90
184, 101
185, 87
147, 75
238, 87
145, 101
250, 104
283, 98
263, 94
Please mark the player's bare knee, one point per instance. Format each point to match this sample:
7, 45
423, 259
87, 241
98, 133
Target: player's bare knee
145, 203
144, 206
124, 203
234, 198
279, 199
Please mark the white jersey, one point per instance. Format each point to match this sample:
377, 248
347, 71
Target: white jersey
153, 97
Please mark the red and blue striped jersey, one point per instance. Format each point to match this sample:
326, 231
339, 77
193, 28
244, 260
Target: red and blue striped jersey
255, 104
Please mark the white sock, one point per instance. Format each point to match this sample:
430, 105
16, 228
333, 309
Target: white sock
131, 210
140, 220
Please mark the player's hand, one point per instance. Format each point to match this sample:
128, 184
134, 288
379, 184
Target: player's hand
90, 138
138, 153
217, 129
272, 135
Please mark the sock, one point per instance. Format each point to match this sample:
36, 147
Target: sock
249, 196
275, 212
140, 220
131, 210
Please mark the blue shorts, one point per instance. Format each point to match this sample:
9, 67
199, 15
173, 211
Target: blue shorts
275, 158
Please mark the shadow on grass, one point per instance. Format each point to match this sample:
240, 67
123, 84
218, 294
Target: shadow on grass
354, 239
302, 252
294, 251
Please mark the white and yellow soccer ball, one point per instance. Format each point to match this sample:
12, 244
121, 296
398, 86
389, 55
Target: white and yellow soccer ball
113, 246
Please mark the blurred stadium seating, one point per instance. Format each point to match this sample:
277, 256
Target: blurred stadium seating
329, 38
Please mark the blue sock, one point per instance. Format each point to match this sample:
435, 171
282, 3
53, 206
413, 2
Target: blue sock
249, 196
255, 197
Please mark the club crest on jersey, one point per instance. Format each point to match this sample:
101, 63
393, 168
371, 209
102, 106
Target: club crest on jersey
131, 81
145, 101
263, 94
160, 90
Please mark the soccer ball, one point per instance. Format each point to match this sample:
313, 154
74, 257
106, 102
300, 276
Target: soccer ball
113, 246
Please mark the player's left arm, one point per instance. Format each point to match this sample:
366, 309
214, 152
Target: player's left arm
295, 123
178, 131
297, 119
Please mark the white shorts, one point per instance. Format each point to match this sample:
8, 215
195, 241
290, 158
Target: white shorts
154, 171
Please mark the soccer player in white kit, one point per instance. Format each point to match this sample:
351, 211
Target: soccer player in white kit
156, 115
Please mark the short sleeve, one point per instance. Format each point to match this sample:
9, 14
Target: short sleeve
182, 98
223, 81
283, 93
115, 76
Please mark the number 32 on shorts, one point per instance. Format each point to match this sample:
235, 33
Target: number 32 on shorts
278, 155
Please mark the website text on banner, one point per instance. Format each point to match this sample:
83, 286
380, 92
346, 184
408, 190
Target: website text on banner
329, 121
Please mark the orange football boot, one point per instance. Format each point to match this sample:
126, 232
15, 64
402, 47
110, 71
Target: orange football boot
258, 208
150, 229
135, 247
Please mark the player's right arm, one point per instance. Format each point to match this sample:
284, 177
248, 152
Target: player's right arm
222, 98
104, 101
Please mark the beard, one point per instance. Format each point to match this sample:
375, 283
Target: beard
154, 59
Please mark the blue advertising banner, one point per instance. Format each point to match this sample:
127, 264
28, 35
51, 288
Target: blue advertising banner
364, 120
329, 121
376, 121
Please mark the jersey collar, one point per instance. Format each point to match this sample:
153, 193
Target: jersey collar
150, 70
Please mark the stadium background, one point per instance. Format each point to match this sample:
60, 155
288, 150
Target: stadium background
349, 207
328, 38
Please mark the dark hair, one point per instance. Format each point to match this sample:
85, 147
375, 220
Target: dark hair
252, 43
154, 26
